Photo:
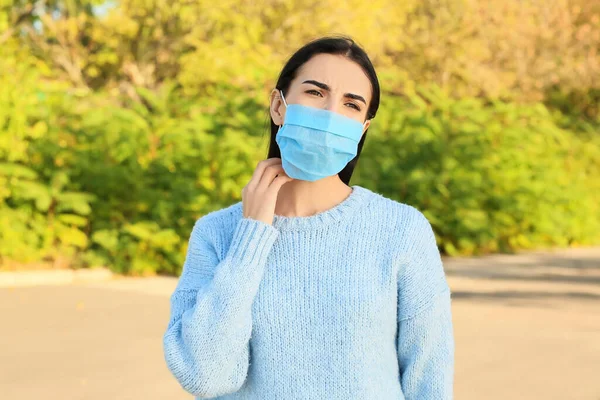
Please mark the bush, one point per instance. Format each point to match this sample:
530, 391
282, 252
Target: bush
490, 176
122, 124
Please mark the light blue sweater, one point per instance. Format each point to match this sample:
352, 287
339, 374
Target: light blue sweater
349, 303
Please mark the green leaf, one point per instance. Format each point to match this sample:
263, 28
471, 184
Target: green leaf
72, 219
17, 171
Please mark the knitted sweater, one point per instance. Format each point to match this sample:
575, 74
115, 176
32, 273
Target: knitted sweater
349, 303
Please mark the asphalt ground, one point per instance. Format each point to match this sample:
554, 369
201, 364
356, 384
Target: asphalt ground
526, 326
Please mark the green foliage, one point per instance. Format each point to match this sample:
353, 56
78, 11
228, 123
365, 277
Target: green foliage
122, 123
491, 177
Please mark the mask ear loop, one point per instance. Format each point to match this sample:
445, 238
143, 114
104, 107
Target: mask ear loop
283, 98
284, 102
364, 123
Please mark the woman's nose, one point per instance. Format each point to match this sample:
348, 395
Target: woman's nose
332, 105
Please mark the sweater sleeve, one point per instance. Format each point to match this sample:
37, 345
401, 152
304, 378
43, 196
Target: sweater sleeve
425, 341
206, 344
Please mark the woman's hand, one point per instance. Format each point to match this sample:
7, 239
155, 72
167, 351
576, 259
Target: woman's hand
259, 196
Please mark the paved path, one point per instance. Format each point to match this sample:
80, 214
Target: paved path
526, 326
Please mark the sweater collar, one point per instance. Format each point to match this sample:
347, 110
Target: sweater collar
342, 210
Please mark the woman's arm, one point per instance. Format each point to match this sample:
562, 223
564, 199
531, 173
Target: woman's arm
425, 340
206, 345
426, 352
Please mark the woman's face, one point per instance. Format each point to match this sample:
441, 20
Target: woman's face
330, 82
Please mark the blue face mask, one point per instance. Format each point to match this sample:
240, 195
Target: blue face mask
316, 143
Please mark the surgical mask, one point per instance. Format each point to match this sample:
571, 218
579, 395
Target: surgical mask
316, 143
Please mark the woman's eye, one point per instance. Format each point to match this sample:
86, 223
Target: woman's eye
357, 108
315, 92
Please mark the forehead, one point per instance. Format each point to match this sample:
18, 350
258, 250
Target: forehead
340, 73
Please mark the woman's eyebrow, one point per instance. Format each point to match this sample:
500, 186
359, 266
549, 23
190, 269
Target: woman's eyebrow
355, 97
317, 83
326, 87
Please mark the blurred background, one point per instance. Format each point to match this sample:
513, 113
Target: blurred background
122, 122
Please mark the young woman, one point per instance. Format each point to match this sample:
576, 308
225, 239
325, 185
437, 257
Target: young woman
309, 288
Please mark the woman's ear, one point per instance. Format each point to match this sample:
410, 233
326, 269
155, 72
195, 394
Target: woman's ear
277, 108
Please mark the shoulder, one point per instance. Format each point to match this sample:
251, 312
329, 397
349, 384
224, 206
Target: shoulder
219, 219
395, 214
407, 233
206, 245
216, 227
412, 245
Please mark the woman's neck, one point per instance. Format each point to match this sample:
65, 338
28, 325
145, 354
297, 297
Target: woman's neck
300, 198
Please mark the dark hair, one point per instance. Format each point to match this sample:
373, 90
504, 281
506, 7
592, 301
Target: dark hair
339, 45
